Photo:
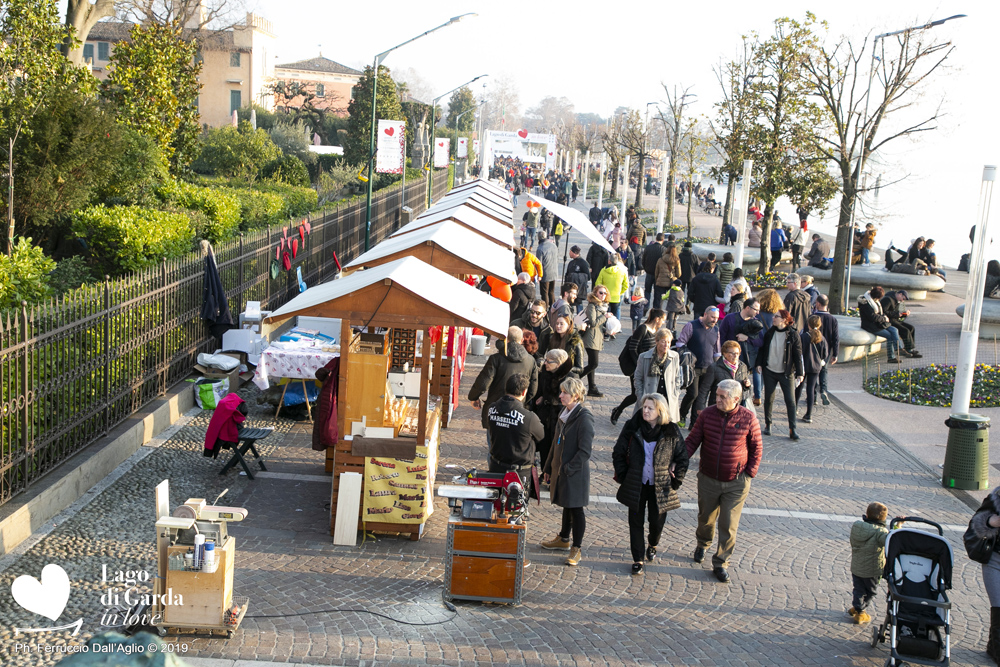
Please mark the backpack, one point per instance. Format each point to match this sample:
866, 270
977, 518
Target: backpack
963, 263
685, 372
629, 356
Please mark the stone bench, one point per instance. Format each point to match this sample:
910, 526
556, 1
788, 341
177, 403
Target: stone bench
855, 342
989, 319
751, 256
863, 278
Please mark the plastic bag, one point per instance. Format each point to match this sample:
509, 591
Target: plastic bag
208, 392
220, 361
613, 325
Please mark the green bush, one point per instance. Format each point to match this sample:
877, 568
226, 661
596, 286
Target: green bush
130, 238
298, 201
287, 169
135, 174
24, 275
258, 209
236, 153
294, 140
71, 273
220, 208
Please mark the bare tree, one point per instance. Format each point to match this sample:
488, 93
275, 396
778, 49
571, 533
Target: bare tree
611, 140
635, 140
854, 130
503, 102
731, 126
693, 157
673, 125
194, 14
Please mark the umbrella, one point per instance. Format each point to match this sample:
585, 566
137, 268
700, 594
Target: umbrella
576, 220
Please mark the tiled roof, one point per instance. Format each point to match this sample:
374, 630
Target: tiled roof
320, 64
209, 40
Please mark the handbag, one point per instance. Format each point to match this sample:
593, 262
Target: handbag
978, 548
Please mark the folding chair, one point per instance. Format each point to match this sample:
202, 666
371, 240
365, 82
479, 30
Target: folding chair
248, 437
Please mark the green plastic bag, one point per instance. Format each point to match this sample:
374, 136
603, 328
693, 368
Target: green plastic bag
208, 392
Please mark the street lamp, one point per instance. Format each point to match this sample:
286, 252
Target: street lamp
864, 121
430, 181
371, 142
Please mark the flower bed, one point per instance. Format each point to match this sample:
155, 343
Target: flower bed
934, 384
775, 280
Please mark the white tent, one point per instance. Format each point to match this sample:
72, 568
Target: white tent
404, 293
576, 220
448, 246
479, 183
490, 208
468, 217
502, 203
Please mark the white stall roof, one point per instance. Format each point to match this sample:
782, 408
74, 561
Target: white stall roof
403, 293
468, 217
502, 203
493, 187
448, 246
576, 220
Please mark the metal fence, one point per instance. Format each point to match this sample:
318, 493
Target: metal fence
76, 367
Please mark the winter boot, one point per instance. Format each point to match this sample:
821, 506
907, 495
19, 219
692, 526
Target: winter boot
993, 646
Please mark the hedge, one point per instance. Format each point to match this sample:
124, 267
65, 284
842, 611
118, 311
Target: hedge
221, 220
258, 209
131, 238
298, 201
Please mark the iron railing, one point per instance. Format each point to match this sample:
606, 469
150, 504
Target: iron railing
74, 368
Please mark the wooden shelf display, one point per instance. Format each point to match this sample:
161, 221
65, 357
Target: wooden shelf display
484, 561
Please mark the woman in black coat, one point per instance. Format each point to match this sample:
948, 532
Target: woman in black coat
779, 361
815, 352
727, 367
567, 469
670, 463
556, 367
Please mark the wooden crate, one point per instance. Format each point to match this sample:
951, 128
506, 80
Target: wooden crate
484, 561
206, 596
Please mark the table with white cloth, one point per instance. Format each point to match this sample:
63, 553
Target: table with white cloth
290, 361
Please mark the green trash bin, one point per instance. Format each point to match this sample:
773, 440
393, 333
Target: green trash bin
967, 458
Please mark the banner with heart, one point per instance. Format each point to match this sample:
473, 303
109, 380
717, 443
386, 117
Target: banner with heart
390, 151
47, 597
442, 151
523, 134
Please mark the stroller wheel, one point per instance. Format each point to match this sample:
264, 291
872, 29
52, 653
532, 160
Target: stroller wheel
876, 635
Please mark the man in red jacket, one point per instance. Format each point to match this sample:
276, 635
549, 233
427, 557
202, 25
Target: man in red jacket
731, 449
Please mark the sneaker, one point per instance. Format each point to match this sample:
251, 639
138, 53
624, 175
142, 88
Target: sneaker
862, 618
557, 543
636, 568
595, 393
853, 612
826, 399
915, 355
574, 556
650, 553
699, 555
807, 419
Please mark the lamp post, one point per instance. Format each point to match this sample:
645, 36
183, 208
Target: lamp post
434, 102
864, 122
642, 150
371, 135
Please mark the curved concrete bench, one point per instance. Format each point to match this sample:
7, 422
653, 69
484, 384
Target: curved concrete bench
989, 319
855, 342
751, 256
864, 277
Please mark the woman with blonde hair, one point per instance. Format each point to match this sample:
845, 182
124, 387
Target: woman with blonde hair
770, 303
567, 468
596, 313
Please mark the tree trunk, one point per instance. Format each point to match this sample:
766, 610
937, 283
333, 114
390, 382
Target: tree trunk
671, 175
765, 240
838, 299
639, 182
730, 201
81, 15
689, 198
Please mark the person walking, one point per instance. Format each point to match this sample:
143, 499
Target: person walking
596, 314
614, 277
565, 337
727, 367
650, 461
529, 264
815, 352
676, 303
731, 450
597, 259
665, 271
514, 430
549, 258
531, 220
701, 337
796, 241
705, 290
567, 469
642, 339
577, 271
830, 329
779, 361
867, 559
985, 524
556, 367
778, 241
797, 302
650, 256
657, 371
689, 265
536, 321
522, 293
492, 379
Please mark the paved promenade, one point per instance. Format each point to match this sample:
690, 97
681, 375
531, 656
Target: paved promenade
785, 605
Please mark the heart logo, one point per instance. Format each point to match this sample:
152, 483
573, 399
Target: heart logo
550, 154
47, 597
390, 131
441, 144
523, 134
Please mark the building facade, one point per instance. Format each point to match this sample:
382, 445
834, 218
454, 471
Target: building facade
330, 82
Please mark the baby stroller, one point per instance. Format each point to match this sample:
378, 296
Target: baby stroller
918, 568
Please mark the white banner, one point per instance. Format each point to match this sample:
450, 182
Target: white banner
475, 146
442, 147
527, 146
390, 156
463, 147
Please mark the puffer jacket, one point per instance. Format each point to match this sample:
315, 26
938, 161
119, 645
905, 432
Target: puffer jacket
730, 443
615, 278
531, 265
629, 458
868, 549
667, 270
792, 354
597, 315
572, 344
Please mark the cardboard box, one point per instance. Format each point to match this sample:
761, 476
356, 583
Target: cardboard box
214, 373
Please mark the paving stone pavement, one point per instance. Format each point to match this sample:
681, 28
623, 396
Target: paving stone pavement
785, 606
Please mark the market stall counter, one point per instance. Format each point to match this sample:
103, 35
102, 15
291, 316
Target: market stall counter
392, 443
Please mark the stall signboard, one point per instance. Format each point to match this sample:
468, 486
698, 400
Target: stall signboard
526, 146
400, 490
390, 156
442, 147
463, 147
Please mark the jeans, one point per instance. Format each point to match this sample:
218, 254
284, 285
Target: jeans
891, 334
573, 518
615, 309
530, 233
907, 334
811, 385
771, 381
822, 378
865, 590
864, 255
722, 502
592, 357
636, 321
671, 321
515, 201
636, 518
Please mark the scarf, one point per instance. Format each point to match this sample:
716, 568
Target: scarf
649, 432
566, 412
657, 366
730, 366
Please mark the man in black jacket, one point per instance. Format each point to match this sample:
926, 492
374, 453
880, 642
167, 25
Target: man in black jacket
514, 431
705, 290
536, 321
522, 293
831, 334
577, 271
650, 256
596, 214
897, 314
492, 379
597, 259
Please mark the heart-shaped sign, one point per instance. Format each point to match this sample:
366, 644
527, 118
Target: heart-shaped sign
47, 597
550, 153
390, 131
441, 144
523, 134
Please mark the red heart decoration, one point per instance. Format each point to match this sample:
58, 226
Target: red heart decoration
550, 153
441, 144
295, 247
390, 131
284, 231
523, 134
302, 235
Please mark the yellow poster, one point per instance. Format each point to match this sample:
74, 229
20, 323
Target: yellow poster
398, 490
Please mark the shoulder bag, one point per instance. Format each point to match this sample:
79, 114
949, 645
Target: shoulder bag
978, 548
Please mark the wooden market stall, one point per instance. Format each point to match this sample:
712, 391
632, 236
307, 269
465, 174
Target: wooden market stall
481, 184
467, 217
494, 212
397, 471
491, 201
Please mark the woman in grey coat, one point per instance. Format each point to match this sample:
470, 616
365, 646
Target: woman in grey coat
567, 469
596, 313
657, 372
986, 524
